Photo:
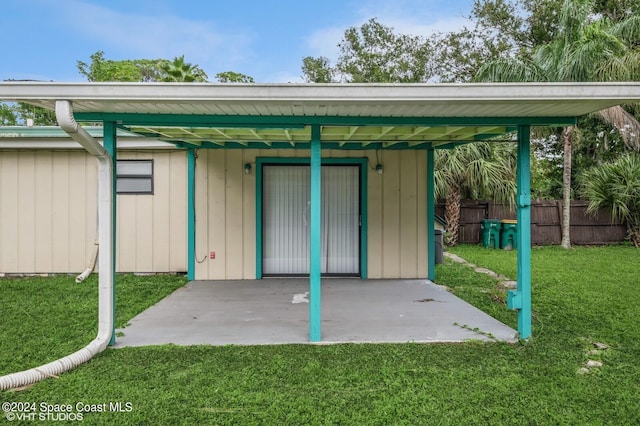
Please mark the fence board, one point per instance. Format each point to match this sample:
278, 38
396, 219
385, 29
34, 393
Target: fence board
546, 219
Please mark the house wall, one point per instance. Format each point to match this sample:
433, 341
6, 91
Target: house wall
226, 212
152, 229
48, 213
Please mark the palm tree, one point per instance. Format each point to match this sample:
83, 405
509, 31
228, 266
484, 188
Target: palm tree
583, 50
616, 185
475, 170
180, 71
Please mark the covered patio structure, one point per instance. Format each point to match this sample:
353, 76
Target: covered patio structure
316, 118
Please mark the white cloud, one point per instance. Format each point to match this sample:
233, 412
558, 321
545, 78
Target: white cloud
405, 17
163, 36
324, 42
410, 26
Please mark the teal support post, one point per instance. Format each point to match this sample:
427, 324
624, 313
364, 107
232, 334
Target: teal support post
110, 143
191, 214
315, 290
520, 299
431, 215
364, 221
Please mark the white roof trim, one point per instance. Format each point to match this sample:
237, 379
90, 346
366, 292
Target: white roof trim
318, 92
418, 100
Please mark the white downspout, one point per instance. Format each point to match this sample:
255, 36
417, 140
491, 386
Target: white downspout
64, 114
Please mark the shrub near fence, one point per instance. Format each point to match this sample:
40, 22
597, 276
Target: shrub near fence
546, 222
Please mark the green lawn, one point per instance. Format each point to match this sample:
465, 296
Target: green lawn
580, 296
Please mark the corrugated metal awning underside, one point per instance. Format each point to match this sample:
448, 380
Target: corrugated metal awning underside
346, 137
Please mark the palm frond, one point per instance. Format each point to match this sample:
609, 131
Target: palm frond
628, 30
620, 68
574, 15
549, 58
626, 123
509, 70
616, 186
478, 170
582, 59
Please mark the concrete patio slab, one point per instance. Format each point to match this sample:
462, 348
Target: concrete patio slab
276, 311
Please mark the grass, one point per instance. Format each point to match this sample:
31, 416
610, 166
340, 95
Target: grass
581, 296
43, 319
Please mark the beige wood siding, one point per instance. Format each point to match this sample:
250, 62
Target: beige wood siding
48, 213
47, 222
151, 229
226, 217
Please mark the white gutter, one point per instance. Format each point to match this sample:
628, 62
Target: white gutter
64, 114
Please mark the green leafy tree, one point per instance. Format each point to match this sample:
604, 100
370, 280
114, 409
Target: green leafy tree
474, 171
20, 114
180, 71
617, 10
616, 185
510, 28
101, 69
496, 29
39, 116
233, 77
318, 70
374, 53
583, 50
7, 115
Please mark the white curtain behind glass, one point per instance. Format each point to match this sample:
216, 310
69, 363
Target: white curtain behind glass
286, 219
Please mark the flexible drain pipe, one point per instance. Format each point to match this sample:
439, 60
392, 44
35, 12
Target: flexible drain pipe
92, 264
64, 114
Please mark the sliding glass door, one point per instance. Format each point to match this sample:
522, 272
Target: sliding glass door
286, 206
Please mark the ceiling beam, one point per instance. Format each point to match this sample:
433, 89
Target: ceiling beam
263, 121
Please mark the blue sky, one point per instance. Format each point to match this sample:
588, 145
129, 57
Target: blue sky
44, 39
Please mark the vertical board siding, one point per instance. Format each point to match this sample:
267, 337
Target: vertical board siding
421, 234
176, 253
161, 216
226, 220
408, 215
374, 238
233, 210
79, 189
248, 217
43, 224
151, 229
26, 211
391, 214
202, 216
48, 210
48, 213
217, 211
9, 212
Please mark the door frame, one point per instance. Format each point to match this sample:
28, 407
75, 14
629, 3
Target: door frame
363, 170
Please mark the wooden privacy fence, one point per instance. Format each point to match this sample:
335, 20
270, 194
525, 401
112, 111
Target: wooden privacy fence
546, 222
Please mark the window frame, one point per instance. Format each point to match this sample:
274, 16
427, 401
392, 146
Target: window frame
141, 177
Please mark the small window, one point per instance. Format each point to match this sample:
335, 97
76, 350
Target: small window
134, 177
